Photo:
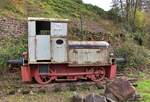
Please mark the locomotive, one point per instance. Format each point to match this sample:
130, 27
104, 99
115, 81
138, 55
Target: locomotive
52, 57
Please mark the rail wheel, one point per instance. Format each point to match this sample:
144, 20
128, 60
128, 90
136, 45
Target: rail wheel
99, 74
41, 78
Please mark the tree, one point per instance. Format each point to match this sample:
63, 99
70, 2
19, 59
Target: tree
127, 10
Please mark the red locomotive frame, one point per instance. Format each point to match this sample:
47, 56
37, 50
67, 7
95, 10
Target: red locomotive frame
66, 72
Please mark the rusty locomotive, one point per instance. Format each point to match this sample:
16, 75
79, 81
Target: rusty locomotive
52, 57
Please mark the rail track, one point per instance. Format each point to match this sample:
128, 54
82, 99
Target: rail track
13, 80
62, 86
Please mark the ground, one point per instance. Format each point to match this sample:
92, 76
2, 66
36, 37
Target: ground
44, 97
12, 90
143, 83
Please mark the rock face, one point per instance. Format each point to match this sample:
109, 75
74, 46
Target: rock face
12, 26
120, 89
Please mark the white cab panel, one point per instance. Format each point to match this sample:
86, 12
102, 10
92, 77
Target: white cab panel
31, 49
31, 28
59, 50
58, 29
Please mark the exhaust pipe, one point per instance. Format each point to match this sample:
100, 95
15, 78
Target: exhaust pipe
17, 62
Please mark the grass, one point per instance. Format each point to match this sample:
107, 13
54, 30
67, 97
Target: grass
143, 83
144, 89
60, 96
9, 91
58, 8
48, 97
69, 9
65, 96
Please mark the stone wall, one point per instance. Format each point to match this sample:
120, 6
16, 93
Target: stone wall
12, 26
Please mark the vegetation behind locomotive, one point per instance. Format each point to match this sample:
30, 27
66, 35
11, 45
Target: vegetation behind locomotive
52, 57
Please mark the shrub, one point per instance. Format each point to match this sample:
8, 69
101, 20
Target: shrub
11, 48
136, 55
140, 20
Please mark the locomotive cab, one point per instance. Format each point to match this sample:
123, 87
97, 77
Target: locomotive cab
47, 40
52, 57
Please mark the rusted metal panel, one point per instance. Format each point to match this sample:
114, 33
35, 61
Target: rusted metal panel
98, 56
86, 53
58, 29
31, 28
59, 50
43, 47
31, 49
88, 56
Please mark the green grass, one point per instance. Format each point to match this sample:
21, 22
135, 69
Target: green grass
50, 8
69, 9
144, 89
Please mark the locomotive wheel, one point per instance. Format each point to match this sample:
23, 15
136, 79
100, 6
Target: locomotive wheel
99, 74
42, 79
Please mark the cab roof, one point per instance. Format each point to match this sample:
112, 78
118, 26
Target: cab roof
47, 19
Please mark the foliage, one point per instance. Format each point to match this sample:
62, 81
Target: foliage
146, 41
113, 15
78, 1
131, 12
96, 10
139, 37
136, 55
140, 19
11, 48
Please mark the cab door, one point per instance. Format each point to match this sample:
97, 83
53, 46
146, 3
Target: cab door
43, 47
